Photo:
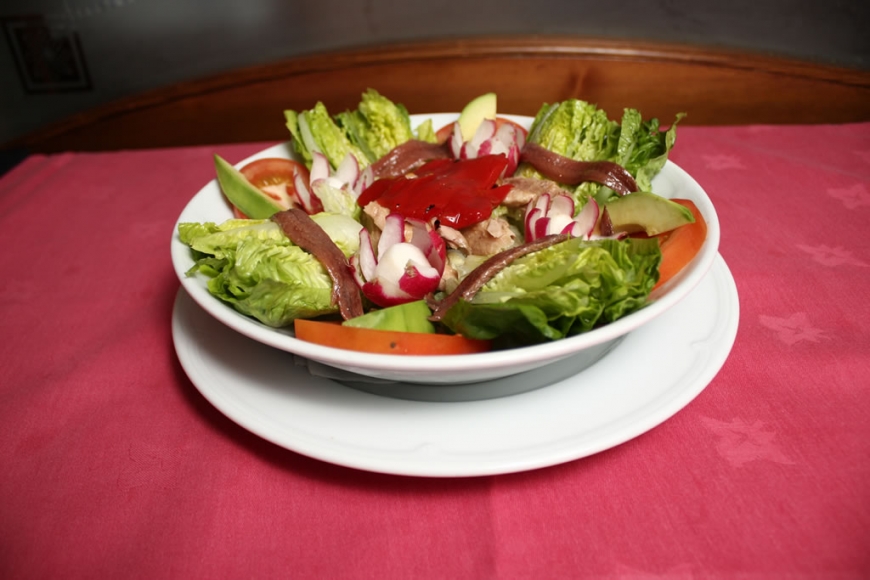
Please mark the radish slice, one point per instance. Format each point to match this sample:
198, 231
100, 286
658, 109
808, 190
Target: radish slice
319, 167
348, 170
367, 260
456, 141
555, 215
392, 234
489, 139
365, 179
409, 264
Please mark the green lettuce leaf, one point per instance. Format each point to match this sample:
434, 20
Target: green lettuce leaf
561, 291
337, 200
369, 132
216, 239
581, 131
652, 151
377, 126
255, 268
316, 131
426, 132
575, 129
341, 229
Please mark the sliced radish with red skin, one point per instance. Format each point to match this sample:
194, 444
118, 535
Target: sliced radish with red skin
409, 264
555, 215
480, 140
392, 234
562, 205
493, 137
456, 141
366, 178
587, 218
542, 226
366, 256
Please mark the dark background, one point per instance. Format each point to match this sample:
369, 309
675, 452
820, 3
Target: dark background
60, 57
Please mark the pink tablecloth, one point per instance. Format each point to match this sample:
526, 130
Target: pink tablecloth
114, 466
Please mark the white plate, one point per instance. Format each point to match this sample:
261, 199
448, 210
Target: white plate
652, 374
209, 205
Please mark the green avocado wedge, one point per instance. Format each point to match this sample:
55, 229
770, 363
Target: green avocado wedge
474, 113
646, 212
248, 199
408, 317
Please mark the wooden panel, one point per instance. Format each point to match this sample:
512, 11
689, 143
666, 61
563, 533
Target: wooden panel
713, 87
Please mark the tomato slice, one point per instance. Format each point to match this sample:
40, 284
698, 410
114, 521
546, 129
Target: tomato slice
276, 177
444, 133
682, 244
273, 171
385, 341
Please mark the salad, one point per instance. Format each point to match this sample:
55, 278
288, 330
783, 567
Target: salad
383, 236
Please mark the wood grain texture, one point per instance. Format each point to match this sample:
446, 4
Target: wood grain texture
715, 87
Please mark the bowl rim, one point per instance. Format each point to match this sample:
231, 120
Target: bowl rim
662, 298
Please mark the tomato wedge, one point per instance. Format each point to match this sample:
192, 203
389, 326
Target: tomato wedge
679, 246
385, 341
276, 177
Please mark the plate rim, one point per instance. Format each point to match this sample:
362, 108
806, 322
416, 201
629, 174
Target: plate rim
723, 335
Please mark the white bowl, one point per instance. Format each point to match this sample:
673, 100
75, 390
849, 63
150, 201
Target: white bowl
585, 349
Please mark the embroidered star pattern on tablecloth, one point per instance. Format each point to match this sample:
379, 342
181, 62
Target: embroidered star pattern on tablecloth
793, 329
852, 197
740, 442
721, 162
828, 256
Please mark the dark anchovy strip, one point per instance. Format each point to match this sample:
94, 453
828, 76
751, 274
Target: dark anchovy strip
407, 156
309, 236
471, 284
571, 172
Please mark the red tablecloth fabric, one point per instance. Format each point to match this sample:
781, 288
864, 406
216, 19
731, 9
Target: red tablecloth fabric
114, 466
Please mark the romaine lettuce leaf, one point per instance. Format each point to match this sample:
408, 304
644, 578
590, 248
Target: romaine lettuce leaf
652, 151
561, 291
337, 200
255, 268
580, 131
316, 131
575, 129
369, 132
377, 126
213, 239
426, 132
341, 229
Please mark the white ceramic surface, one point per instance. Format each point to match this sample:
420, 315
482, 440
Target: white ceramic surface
209, 205
652, 374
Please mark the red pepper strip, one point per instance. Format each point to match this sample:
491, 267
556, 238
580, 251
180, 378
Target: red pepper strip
457, 193
302, 231
571, 172
470, 285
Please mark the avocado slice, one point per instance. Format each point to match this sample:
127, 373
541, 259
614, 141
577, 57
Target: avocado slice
473, 114
647, 212
242, 193
408, 317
